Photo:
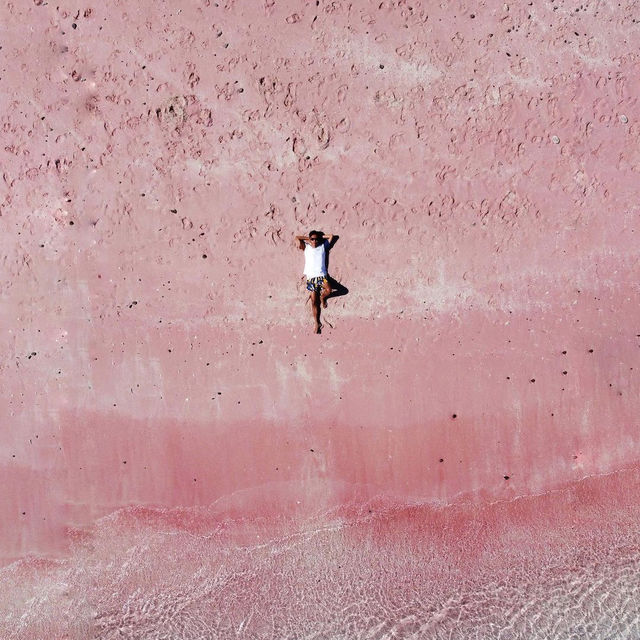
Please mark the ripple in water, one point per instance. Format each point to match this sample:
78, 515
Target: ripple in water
559, 566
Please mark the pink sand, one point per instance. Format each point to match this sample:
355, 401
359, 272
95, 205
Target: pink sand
480, 163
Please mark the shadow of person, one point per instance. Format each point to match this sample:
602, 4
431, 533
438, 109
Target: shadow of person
337, 288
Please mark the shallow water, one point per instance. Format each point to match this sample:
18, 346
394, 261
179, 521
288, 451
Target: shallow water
560, 566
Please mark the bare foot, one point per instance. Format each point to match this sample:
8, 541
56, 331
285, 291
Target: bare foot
318, 327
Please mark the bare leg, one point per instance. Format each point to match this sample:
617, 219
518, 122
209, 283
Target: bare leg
315, 310
325, 293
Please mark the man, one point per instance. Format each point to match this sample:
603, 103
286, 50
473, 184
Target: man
316, 247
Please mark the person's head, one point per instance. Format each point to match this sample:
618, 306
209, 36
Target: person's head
315, 237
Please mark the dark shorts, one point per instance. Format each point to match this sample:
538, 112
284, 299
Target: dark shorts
316, 284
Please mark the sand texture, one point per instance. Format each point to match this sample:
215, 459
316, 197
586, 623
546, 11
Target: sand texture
480, 162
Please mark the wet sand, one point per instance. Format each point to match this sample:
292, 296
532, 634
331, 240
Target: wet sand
561, 565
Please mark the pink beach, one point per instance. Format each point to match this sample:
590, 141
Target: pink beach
456, 455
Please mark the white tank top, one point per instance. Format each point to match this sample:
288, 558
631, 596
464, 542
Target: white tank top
315, 263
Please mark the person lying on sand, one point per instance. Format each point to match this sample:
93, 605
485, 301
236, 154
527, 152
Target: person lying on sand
316, 246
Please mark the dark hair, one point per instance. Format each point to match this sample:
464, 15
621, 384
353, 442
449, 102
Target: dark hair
313, 232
